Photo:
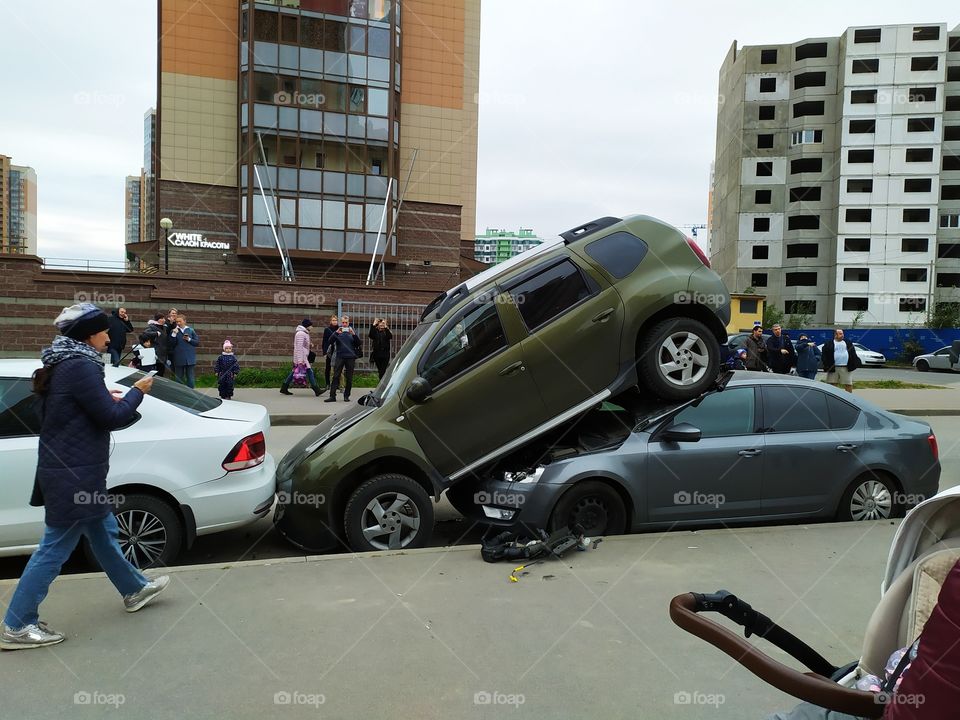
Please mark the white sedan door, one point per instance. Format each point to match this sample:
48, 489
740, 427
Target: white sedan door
20, 524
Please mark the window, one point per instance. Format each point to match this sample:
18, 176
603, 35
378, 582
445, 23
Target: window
803, 222
858, 215
764, 169
761, 224
800, 194
948, 250
764, 141
19, 408
809, 79
730, 412
953, 44
768, 57
760, 279
265, 27
854, 304
549, 294
923, 64
922, 94
800, 307
919, 155
800, 279
916, 215
913, 275
762, 197
950, 192
806, 165
170, 391
858, 127
951, 220
926, 32
768, 85
842, 414
856, 245
912, 305
856, 275
858, 185
951, 162
810, 50
948, 280
761, 252
288, 29
474, 338
917, 185
927, 124
794, 409
806, 137
802, 250
808, 108
866, 35
952, 103
953, 73
860, 156
619, 254
871, 65
766, 112
914, 245
863, 97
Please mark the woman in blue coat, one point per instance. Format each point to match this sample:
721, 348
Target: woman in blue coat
184, 341
808, 357
78, 413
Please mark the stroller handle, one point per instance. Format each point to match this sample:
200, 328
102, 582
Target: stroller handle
809, 687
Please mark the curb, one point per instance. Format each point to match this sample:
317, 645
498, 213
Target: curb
939, 412
299, 419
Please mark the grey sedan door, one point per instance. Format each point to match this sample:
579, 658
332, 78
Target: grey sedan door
718, 476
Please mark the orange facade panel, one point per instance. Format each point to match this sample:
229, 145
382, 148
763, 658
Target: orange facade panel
200, 38
433, 35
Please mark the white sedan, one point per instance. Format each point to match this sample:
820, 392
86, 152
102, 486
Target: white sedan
938, 360
868, 357
187, 465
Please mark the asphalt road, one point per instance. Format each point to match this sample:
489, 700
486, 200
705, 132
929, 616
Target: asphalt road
948, 378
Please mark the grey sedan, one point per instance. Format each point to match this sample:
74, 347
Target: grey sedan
764, 448
938, 360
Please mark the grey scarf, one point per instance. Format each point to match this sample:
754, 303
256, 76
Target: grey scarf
65, 348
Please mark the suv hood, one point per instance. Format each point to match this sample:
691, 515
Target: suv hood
326, 430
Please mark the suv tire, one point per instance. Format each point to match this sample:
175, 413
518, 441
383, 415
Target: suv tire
678, 359
388, 512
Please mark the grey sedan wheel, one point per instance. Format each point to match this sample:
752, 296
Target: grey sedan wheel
869, 497
923, 365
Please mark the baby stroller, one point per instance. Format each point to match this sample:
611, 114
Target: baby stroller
925, 549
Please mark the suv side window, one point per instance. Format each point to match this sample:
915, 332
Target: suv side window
619, 254
469, 341
19, 408
550, 293
720, 414
794, 409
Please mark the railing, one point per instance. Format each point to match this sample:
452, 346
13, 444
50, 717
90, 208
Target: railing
117, 266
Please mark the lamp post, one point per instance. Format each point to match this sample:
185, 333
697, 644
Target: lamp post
166, 224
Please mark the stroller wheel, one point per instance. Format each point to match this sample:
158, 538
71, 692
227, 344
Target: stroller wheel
869, 497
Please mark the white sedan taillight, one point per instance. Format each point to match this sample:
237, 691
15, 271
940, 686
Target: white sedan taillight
247, 453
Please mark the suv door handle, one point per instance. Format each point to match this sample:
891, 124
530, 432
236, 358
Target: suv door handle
846, 448
752, 452
512, 368
601, 316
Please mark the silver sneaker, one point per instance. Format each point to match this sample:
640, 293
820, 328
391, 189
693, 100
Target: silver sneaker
31, 636
134, 602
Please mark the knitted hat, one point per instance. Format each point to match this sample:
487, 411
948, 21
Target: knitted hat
227, 344
81, 321
307, 322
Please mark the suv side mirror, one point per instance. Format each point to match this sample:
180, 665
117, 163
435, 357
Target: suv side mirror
419, 390
681, 432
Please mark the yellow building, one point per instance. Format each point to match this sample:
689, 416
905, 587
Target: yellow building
745, 311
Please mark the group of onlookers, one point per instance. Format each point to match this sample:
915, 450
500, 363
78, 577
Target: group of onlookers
166, 343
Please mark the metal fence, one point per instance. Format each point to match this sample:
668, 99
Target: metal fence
401, 318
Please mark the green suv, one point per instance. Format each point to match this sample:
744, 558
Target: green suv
511, 353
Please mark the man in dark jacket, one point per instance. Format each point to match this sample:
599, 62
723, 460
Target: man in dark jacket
161, 342
840, 360
780, 353
756, 351
78, 414
120, 325
808, 357
348, 348
326, 347
380, 337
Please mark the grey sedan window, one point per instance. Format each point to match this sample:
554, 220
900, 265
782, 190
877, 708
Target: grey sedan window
794, 409
721, 414
19, 408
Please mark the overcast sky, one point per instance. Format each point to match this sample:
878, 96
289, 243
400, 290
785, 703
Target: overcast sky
586, 109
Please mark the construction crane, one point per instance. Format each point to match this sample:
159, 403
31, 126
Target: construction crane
693, 228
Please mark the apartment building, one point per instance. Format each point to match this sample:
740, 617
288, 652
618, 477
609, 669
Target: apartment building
495, 246
18, 208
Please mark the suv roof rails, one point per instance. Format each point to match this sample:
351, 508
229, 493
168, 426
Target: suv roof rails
588, 228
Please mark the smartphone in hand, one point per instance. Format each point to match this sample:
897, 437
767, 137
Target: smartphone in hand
151, 373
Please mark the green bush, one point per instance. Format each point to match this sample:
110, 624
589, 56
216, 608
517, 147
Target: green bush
273, 377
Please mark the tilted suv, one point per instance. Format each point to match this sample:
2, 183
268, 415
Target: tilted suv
498, 360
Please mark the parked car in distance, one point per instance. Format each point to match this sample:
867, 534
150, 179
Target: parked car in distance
501, 359
946, 358
188, 464
766, 447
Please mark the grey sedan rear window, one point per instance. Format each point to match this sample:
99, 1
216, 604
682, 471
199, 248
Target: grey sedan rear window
619, 253
176, 394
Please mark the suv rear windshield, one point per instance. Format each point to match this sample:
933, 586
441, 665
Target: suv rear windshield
174, 393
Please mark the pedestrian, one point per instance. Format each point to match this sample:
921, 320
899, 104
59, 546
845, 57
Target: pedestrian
738, 361
327, 348
808, 357
77, 415
756, 351
348, 349
380, 337
158, 327
145, 354
780, 353
840, 360
226, 366
185, 343
170, 327
120, 325
301, 358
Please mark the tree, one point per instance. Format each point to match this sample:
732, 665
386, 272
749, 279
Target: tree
801, 318
857, 319
749, 291
772, 315
943, 315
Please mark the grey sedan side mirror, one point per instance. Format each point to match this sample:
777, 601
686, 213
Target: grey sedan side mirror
419, 390
681, 432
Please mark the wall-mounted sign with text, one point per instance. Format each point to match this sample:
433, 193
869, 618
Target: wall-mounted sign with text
196, 240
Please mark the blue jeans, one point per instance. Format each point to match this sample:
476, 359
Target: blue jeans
809, 374
55, 547
114, 357
185, 374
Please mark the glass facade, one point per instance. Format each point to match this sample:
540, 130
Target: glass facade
319, 124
